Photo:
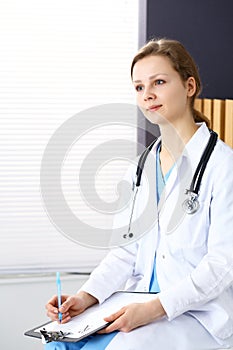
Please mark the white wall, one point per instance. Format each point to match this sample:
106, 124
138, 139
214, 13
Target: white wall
22, 306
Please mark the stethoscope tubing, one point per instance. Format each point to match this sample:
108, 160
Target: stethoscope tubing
191, 204
203, 163
130, 234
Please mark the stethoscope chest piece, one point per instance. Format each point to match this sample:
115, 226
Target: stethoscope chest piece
191, 204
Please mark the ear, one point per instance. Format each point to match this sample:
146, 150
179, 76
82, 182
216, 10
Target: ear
191, 86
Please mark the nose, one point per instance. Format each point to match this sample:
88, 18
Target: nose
149, 94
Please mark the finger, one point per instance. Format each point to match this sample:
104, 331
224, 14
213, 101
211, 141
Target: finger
65, 318
53, 315
67, 304
115, 321
52, 311
114, 326
115, 315
51, 302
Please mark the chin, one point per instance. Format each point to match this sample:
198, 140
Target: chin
155, 117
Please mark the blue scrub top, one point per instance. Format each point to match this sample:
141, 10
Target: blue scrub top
160, 184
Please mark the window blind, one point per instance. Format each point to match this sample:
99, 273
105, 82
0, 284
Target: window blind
59, 58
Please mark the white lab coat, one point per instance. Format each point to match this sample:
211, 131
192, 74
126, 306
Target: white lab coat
194, 253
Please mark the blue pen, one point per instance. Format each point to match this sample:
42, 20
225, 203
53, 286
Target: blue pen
58, 280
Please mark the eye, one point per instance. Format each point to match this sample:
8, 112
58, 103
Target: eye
159, 82
139, 88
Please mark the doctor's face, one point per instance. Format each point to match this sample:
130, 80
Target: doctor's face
161, 94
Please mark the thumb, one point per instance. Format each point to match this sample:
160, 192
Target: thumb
67, 304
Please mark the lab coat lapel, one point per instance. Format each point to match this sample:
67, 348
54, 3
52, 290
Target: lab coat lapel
170, 205
171, 182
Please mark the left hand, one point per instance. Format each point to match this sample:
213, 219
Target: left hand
134, 315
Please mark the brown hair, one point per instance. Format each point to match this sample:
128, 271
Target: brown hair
181, 61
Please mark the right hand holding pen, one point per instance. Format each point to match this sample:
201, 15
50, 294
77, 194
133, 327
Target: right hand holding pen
72, 305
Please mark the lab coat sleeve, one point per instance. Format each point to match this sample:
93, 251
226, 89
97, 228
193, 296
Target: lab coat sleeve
118, 266
214, 273
112, 273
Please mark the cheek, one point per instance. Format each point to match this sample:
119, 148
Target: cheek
139, 100
177, 101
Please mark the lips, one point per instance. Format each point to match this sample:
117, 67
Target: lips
154, 108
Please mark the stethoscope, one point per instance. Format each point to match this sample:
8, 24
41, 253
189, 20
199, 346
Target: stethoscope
191, 204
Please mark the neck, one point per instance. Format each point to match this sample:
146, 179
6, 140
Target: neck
175, 137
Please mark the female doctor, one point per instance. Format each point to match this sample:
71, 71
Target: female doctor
187, 254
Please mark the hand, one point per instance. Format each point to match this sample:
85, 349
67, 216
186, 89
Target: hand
71, 306
134, 315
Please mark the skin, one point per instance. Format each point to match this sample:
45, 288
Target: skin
72, 305
165, 100
135, 315
126, 319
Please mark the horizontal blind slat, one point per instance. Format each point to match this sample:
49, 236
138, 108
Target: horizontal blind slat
57, 59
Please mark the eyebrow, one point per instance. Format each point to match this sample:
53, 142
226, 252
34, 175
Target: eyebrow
150, 78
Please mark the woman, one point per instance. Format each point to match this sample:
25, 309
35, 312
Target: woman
187, 258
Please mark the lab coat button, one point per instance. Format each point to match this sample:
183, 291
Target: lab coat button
163, 256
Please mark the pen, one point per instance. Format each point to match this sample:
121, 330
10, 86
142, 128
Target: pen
58, 280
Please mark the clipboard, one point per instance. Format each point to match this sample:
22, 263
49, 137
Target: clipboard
88, 322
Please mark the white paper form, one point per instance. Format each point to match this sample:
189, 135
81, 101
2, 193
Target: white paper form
92, 319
